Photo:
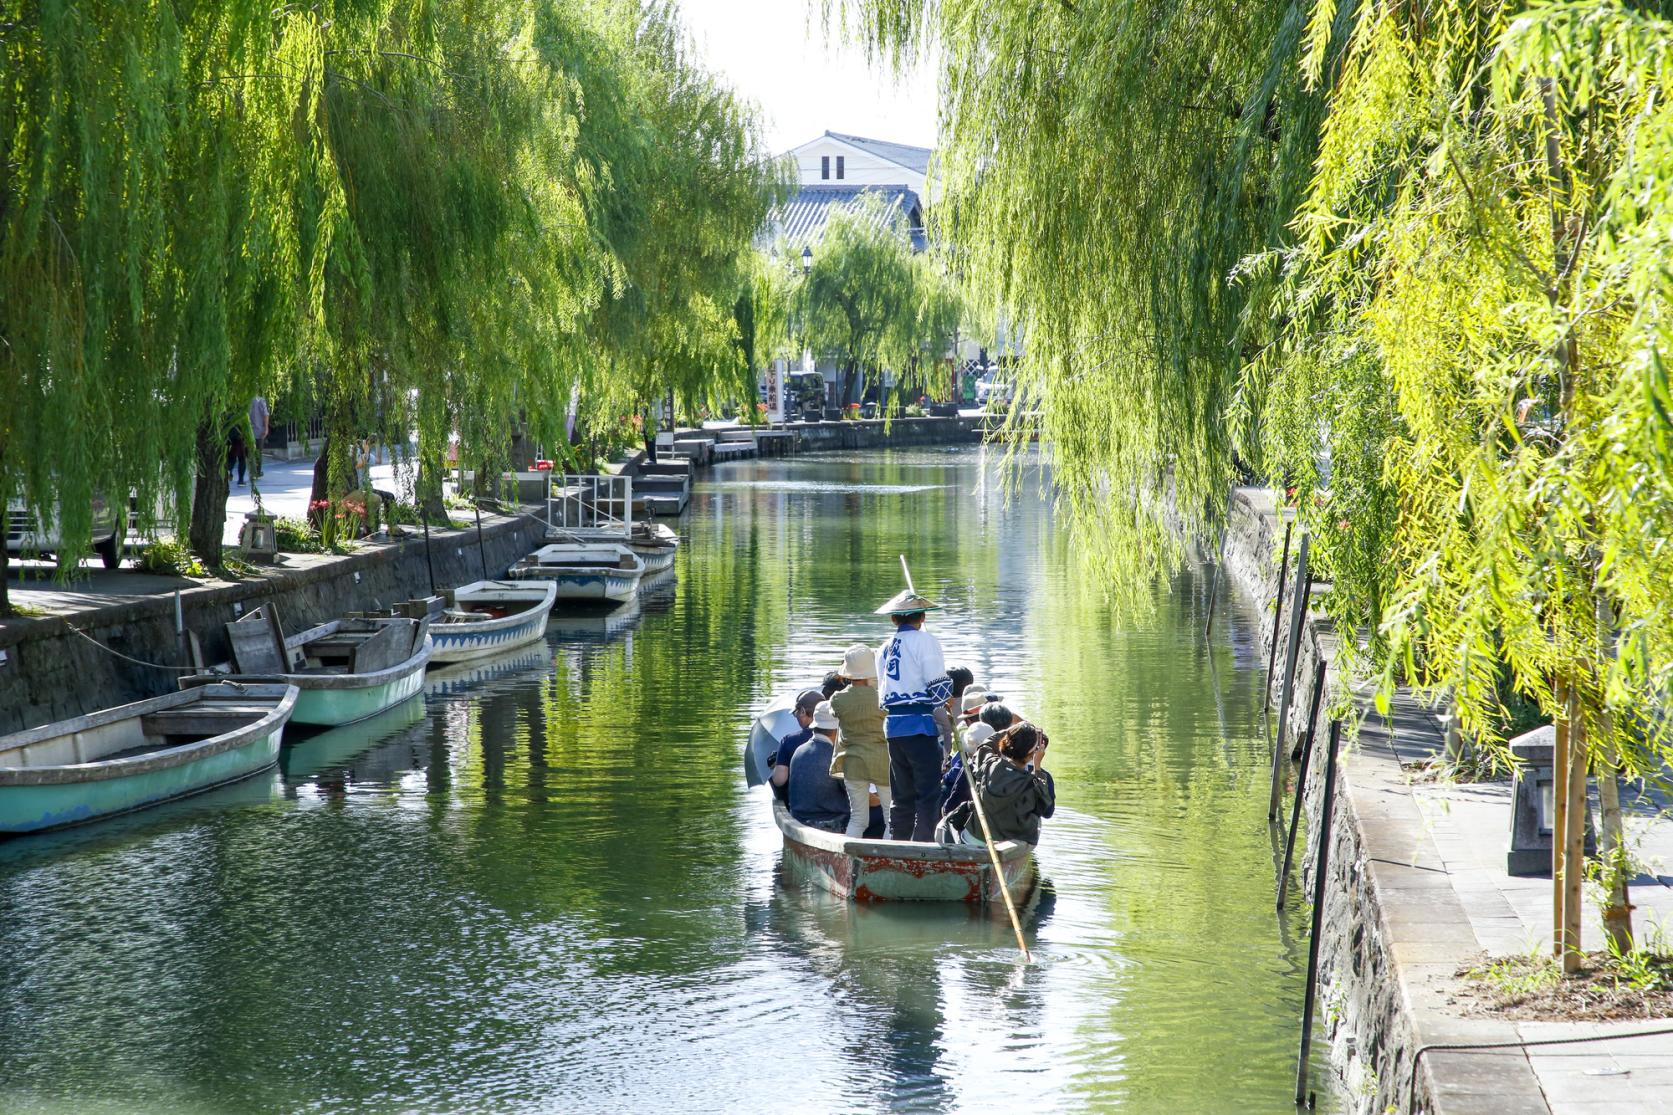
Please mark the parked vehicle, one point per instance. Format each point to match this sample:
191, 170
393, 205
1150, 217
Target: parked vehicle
992, 389
34, 533
804, 395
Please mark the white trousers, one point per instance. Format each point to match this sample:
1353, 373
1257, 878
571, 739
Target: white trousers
859, 806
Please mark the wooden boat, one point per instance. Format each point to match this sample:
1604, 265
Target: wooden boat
487, 617
882, 870
346, 670
584, 570
126, 758
655, 543
904, 870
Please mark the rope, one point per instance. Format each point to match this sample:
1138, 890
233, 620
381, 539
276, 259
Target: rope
1472, 1047
131, 658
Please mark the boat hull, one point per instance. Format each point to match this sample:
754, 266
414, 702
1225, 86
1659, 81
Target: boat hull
588, 584
465, 642
26, 809
904, 871
322, 706
41, 798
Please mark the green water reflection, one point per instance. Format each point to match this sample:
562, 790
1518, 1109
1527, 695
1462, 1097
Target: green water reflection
543, 886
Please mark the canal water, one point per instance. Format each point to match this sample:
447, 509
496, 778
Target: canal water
544, 886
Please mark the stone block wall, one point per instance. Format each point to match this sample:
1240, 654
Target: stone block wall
52, 673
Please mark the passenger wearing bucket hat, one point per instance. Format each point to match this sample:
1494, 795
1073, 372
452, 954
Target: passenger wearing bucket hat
817, 799
912, 672
861, 758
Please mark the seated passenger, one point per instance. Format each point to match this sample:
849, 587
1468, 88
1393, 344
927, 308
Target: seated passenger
806, 701
1014, 791
971, 703
955, 788
998, 717
946, 723
861, 758
815, 798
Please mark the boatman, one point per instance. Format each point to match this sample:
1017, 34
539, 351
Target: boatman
913, 679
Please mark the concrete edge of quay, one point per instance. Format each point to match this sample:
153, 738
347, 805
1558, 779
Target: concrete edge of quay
1395, 933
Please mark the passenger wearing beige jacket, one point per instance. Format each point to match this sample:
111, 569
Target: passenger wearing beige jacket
861, 758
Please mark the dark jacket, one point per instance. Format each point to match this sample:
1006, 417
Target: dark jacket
1015, 800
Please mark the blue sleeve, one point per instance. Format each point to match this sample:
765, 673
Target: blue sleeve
1050, 805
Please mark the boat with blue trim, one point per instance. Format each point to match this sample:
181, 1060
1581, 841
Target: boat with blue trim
487, 617
584, 570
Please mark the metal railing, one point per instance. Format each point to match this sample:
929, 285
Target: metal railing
585, 500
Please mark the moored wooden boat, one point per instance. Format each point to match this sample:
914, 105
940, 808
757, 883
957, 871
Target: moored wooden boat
904, 870
345, 670
487, 617
655, 543
584, 570
125, 758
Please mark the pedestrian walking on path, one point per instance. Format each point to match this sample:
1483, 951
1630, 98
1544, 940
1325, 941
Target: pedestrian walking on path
259, 427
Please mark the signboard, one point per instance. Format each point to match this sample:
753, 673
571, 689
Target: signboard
775, 391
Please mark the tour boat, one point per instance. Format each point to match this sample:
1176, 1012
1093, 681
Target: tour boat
487, 617
883, 870
347, 670
121, 759
864, 870
655, 543
584, 570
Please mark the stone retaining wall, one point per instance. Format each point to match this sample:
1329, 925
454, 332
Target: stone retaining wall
52, 673
873, 434
1395, 932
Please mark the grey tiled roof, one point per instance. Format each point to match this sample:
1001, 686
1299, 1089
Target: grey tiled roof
801, 219
917, 158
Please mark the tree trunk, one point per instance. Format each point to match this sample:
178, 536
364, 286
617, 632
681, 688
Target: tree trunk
1617, 909
209, 496
320, 492
5, 577
427, 487
1574, 855
848, 378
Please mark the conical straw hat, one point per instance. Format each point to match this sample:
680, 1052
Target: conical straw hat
905, 603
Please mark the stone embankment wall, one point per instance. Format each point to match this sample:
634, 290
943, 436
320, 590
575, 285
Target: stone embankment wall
52, 673
1364, 998
872, 434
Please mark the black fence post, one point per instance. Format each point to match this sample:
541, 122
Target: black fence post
1277, 616
1301, 779
1321, 867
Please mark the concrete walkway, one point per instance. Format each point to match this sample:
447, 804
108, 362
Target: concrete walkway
284, 490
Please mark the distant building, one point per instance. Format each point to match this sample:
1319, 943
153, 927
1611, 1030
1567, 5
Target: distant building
835, 159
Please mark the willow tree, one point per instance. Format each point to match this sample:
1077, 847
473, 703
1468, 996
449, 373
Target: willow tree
680, 182
1408, 259
143, 247
1484, 257
859, 303
1104, 166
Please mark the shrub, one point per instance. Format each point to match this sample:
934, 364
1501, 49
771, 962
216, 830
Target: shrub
297, 536
169, 557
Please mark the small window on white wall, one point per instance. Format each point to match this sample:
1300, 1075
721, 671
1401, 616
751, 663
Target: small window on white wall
825, 166
839, 166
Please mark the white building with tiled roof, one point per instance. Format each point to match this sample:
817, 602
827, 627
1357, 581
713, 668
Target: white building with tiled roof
836, 159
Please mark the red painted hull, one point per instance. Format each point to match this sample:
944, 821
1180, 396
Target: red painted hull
904, 871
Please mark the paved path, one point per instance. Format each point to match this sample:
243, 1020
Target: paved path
284, 489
